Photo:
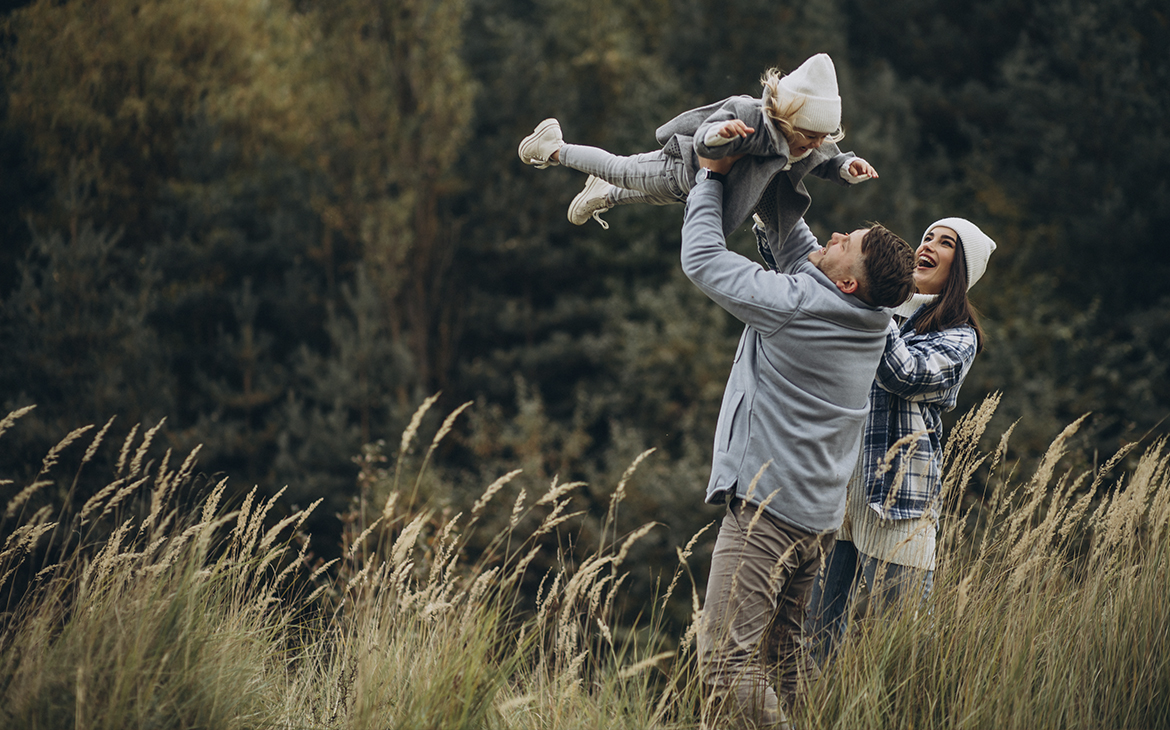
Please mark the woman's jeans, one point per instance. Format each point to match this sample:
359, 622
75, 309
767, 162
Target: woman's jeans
651, 177
853, 583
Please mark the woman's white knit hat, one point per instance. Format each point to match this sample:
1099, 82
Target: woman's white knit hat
814, 83
977, 245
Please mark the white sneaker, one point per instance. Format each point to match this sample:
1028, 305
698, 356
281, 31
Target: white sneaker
591, 202
537, 148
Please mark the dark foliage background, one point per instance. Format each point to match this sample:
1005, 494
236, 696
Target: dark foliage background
280, 225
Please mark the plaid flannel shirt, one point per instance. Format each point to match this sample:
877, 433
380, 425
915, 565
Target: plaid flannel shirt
917, 380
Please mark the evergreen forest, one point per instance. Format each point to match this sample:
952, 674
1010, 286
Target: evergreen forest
270, 230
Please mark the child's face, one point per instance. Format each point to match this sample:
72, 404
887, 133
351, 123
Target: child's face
934, 258
803, 140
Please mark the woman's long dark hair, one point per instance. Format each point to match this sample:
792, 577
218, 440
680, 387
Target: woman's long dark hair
952, 308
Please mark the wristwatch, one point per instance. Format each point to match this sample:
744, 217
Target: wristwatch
706, 173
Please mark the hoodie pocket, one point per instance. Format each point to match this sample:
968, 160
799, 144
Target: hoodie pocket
726, 429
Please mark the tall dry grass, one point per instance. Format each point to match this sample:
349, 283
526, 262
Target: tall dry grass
1047, 609
142, 616
157, 613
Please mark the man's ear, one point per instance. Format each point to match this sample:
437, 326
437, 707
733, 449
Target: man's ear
847, 285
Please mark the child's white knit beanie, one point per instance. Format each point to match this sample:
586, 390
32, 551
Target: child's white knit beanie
977, 245
814, 83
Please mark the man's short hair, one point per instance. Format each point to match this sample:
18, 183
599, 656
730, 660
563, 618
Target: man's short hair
888, 263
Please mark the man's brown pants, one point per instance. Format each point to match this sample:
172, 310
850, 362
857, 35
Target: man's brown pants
750, 641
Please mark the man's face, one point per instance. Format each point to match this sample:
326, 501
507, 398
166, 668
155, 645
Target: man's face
841, 259
932, 263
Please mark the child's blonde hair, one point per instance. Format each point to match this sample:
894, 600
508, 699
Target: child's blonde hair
781, 111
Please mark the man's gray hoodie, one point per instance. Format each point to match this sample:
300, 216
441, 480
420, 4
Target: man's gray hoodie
797, 397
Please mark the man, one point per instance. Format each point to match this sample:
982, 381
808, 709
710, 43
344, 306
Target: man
788, 433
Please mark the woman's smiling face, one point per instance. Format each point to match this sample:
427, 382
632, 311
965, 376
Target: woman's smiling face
934, 258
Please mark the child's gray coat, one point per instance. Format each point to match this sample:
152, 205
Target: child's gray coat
748, 183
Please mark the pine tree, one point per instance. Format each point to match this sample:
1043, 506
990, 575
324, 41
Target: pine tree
107, 89
402, 100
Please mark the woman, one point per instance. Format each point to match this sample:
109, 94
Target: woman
886, 545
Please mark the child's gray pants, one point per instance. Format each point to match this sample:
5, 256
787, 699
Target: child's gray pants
651, 177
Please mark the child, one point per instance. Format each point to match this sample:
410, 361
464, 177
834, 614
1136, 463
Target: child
793, 128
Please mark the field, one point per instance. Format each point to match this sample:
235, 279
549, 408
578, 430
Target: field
137, 608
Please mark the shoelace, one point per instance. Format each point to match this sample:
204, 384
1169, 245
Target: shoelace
597, 217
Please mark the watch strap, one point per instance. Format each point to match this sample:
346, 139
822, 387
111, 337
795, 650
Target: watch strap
706, 173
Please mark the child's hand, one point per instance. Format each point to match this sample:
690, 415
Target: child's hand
735, 128
861, 168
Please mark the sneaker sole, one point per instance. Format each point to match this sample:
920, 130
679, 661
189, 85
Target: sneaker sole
529, 143
592, 185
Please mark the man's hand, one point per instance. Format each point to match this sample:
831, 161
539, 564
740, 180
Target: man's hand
734, 128
721, 166
861, 168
